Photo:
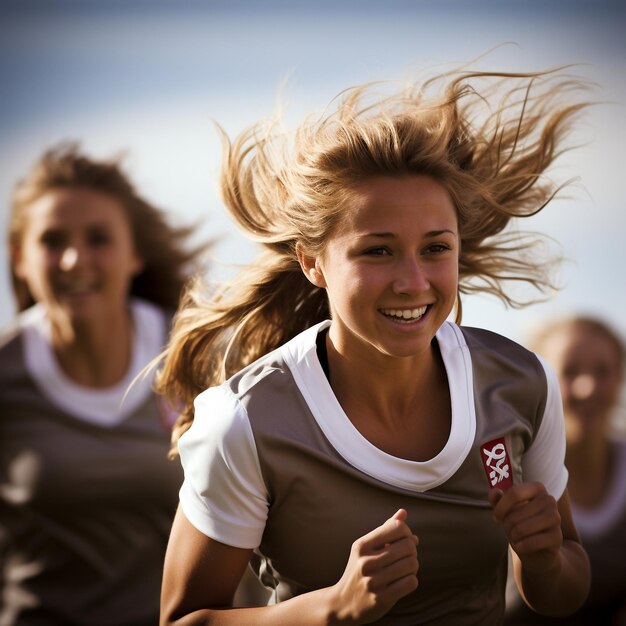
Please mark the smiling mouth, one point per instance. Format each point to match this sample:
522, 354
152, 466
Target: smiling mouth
76, 289
405, 315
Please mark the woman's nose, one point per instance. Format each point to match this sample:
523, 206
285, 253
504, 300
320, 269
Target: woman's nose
583, 386
410, 278
69, 258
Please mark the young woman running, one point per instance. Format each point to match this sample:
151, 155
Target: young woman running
372, 460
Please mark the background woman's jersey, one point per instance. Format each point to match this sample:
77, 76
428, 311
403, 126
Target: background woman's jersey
86, 501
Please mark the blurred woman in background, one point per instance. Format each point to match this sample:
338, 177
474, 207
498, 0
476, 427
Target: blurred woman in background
589, 359
87, 494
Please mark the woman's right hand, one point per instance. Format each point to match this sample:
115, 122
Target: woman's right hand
382, 568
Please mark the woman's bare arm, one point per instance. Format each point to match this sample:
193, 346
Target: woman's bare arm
201, 576
551, 567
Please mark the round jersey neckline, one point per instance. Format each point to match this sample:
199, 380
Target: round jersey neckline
303, 361
107, 406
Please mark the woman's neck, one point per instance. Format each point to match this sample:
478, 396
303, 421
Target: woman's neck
387, 386
94, 355
402, 406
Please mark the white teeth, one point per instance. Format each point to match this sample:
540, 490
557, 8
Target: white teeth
77, 288
405, 314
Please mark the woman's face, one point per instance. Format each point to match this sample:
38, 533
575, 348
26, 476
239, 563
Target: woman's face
76, 254
588, 366
391, 267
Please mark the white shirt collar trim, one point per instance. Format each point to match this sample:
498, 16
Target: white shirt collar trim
301, 356
105, 407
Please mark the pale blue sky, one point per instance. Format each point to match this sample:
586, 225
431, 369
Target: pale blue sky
149, 76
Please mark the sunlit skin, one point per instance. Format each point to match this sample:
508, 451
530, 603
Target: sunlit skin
77, 257
396, 249
394, 254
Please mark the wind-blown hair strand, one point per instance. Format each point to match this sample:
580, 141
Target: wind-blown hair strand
487, 137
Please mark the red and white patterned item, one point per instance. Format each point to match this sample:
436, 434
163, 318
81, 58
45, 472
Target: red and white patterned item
497, 464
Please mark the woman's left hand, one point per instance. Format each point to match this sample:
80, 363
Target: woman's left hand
531, 520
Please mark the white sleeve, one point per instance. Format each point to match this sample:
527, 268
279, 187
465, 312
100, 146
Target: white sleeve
223, 494
544, 461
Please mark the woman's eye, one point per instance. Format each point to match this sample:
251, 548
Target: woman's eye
437, 248
379, 251
52, 240
99, 239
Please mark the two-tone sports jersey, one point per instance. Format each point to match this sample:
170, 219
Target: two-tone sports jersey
87, 494
273, 463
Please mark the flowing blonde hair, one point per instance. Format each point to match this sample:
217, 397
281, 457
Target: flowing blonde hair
487, 137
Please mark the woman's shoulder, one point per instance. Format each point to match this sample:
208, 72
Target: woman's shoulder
489, 344
491, 358
281, 364
12, 359
488, 339
11, 353
11, 334
224, 404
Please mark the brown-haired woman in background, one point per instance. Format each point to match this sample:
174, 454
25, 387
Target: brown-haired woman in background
87, 494
589, 358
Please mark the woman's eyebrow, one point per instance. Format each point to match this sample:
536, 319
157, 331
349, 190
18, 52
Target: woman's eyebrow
430, 233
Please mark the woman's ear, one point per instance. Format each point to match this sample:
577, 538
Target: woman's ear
310, 267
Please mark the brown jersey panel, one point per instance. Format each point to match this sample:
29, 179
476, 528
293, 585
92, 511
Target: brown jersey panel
85, 510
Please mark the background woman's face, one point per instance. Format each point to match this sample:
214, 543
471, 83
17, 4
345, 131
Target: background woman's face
77, 254
588, 366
